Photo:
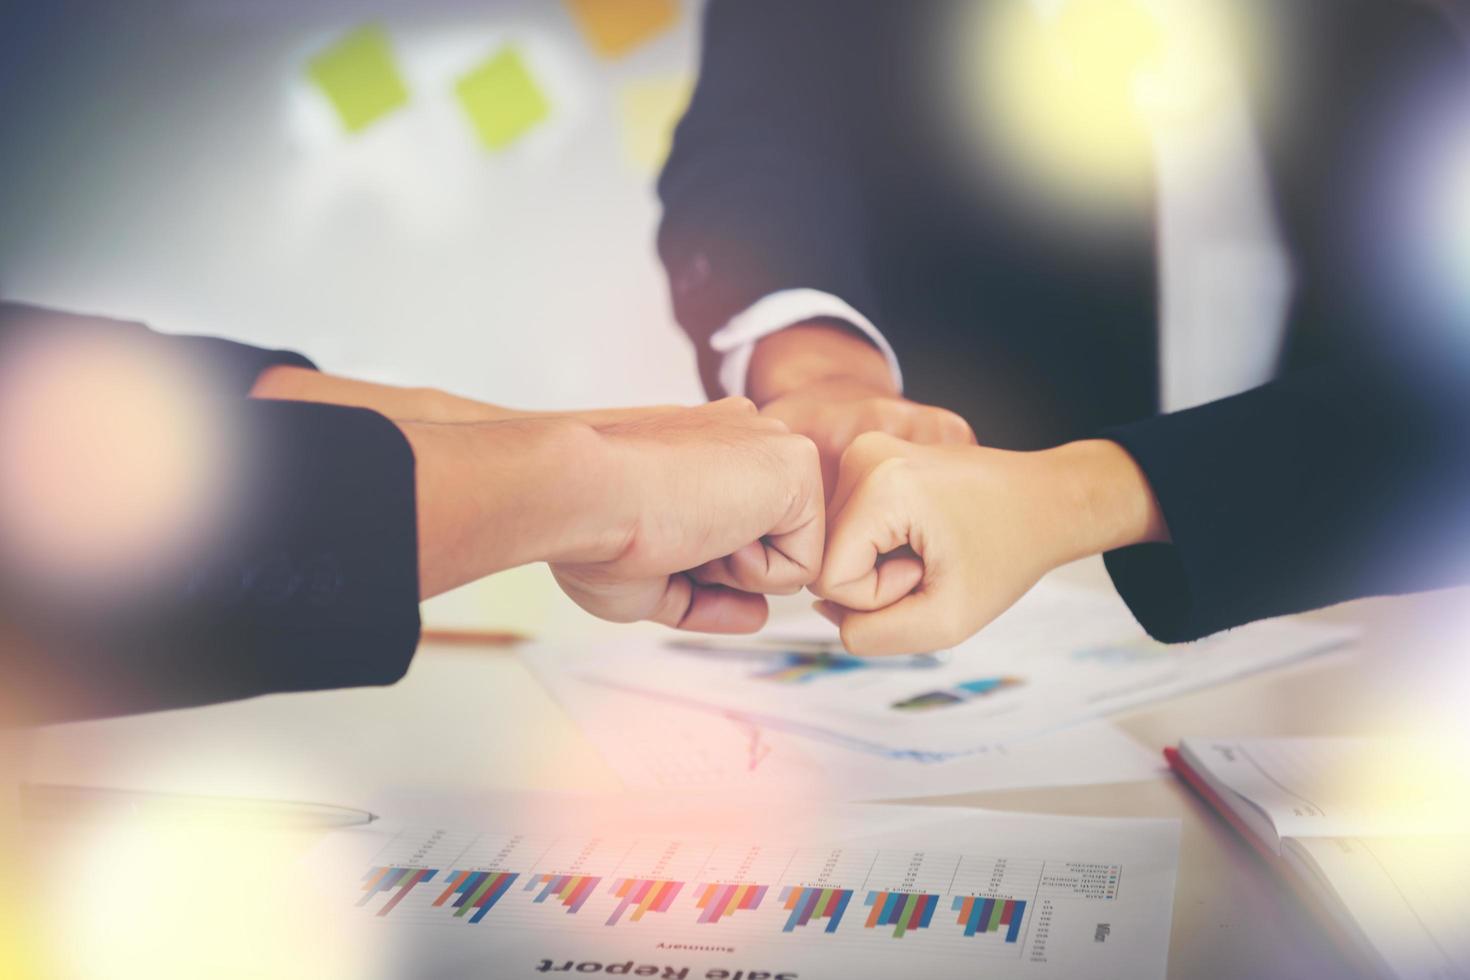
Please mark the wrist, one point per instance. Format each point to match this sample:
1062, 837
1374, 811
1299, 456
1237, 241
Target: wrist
1104, 496
492, 496
808, 353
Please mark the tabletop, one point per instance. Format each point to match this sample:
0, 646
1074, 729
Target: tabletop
472, 719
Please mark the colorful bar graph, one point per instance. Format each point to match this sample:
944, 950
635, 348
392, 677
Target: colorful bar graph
904, 911
722, 901
959, 694
642, 895
981, 915
477, 890
379, 880
571, 890
806, 904
802, 668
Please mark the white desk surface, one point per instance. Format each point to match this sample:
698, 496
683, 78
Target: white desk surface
473, 720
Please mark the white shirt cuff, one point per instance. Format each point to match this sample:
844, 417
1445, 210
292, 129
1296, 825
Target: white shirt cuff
736, 340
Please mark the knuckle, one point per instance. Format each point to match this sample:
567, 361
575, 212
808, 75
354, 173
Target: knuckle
743, 405
866, 449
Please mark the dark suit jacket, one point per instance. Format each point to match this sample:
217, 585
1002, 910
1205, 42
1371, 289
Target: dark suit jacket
314, 586
813, 156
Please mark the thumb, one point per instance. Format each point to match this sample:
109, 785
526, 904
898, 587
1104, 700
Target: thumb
918, 623
869, 564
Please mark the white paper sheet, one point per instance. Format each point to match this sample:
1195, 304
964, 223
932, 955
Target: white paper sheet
1404, 897
657, 741
756, 892
1340, 786
1062, 655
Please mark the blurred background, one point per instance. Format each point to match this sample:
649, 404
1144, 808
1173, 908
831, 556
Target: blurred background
453, 193
446, 193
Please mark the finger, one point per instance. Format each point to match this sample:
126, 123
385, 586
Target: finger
756, 567
688, 605
733, 405
873, 523
941, 427
793, 546
861, 456
920, 623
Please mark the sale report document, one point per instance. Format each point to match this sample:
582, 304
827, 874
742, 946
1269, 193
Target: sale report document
752, 893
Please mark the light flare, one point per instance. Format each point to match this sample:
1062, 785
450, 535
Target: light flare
114, 461
1072, 93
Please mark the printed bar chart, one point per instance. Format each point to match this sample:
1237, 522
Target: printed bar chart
806, 904
478, 890
981, 915
959, 694
571, 890
720, 901
380, 880
802, 668
905, 911
642, 895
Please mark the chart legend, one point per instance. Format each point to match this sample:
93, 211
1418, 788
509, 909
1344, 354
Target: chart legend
983, 915
721, 901
477, 890
380, 880
571, 891
806, 904
905, 911
642, 895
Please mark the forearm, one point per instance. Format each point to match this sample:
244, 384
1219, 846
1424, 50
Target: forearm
1099, 498
413, 404
497, 495
418, 404
807, 353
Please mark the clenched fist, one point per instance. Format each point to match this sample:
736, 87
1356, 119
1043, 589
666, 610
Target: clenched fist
927, 544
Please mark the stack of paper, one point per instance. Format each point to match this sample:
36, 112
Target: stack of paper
1017, 705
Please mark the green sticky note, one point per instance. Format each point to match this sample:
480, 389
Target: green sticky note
502, 99
359, 77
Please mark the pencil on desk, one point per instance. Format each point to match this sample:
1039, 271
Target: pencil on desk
472, 638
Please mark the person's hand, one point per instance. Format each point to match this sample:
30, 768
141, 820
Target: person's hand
928, 544
718, 505
831, 385
833, 412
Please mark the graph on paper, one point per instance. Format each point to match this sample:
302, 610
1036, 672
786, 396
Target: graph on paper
966, 904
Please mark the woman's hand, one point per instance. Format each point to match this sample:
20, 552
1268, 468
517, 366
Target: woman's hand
928, 544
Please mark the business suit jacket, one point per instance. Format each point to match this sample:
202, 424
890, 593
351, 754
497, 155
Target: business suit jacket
811, 156
315, 584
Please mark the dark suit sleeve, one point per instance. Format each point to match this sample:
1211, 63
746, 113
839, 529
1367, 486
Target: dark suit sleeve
230, 368
309, 582
1333, 484
760, 193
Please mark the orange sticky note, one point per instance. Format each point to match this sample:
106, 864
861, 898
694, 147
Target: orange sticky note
615, 27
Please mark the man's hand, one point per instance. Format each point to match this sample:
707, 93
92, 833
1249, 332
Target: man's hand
927, 544
835, 411
717, 505
831, 385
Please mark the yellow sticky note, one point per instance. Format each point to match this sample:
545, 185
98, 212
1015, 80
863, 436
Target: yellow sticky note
358, 75
502, 99
650, 109
615, 27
